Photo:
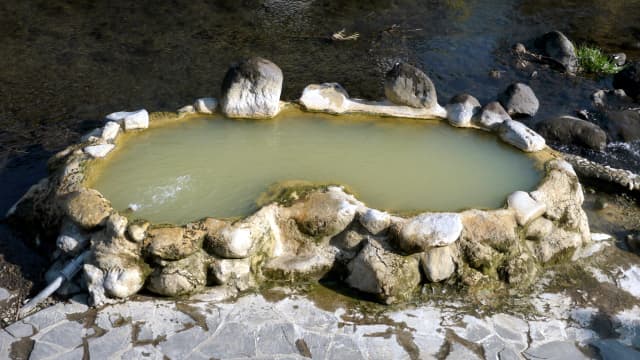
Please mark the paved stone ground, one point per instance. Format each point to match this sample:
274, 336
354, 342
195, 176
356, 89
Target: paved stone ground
283, 324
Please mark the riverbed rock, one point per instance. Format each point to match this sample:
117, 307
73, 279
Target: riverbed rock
519, 100
170, 243
622, 125
407, 85
525, 207
325, 213
491, 116
439, 263
519, 135
98, 151
379, 271
251, 89
559, 48
629, 79
569, 130
327, 97
87, 208
181, 277
206, 105
427, 230
461, 108
375, 221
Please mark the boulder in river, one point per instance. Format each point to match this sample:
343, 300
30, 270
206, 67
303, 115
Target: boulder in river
251, 89
407, 85
519, 100
560, 49
622, 125
569, 130
461, 108
629, 80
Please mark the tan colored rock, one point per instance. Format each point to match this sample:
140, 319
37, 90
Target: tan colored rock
559, 243
379, 271
138, 231
439, 263
170, 243
87, 208
539, 229
181, 277
325, 213
293, 267
230, 271
497, 228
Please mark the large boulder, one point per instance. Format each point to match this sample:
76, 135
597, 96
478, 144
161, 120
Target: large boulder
439, 263
520, 136
569, 130
87, 208
251, 89
325, 213
629, 80
182, 277
407, 85
461, 109
379, 271
559, 48
623, 125
427, 230
170, 243
519, 100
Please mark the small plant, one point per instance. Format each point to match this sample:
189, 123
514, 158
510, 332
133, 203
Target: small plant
593, 60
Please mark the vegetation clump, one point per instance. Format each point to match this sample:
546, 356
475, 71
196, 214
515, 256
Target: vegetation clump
595, 61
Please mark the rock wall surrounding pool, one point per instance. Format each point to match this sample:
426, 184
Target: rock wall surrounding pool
309, 233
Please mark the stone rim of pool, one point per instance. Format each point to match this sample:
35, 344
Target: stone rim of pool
321, 233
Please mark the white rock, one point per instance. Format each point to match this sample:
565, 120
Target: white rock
519, 135
438, 263
237, 242
71, 238
118, 116
429, 230
461, 109
630, 281
110, 131
327, 97
374, 221
206, 105
187, 109
600, 237
99, 151
525, 207
136, 120
122, 283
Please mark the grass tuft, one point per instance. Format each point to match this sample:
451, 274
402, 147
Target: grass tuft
593, 60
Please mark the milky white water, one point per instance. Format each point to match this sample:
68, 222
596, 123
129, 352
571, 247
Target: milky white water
218, 167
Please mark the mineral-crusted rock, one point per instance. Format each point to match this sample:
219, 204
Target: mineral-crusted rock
116, 225
461, 109
407, 85
87, 208
520, 270
170, 243
538, 229
110, 131
325, 213
520, 136
519, 100
123, 282
427, 230
233, 242
137, 231
327, 97
94, 278
375, 221
251, 89
558, 243
206, 105
439, 263
136, 120
230, 271
525, 207
99, 151
72, 238
181, 277
294, 267
559, 48
379, 271
491, 116
496, 228
187, 109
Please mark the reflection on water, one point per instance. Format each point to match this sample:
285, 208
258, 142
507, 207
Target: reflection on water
218, 167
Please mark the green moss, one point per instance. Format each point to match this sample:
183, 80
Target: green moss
593, 60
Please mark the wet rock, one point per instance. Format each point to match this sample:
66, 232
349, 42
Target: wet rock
87, 208
72, 238
611, 99
251, 89
611, 349
622, 125
326, 213
327, 97
407, 85
492, 115
520, 136
206, 105
98, 151
559, 48
427, 230
181, 277
633, 242
439, 263
379, 271
539, 228
526, 208
232, 242
629, 79
519, 100
569, 130
461, 108
170, 243
375, 221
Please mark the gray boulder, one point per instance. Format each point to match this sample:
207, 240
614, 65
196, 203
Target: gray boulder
461, 108
569, 130
622, 125
439, 263
519, 135
629, 80
559, 48
407, 85
519, 100
251, 89
492, 115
